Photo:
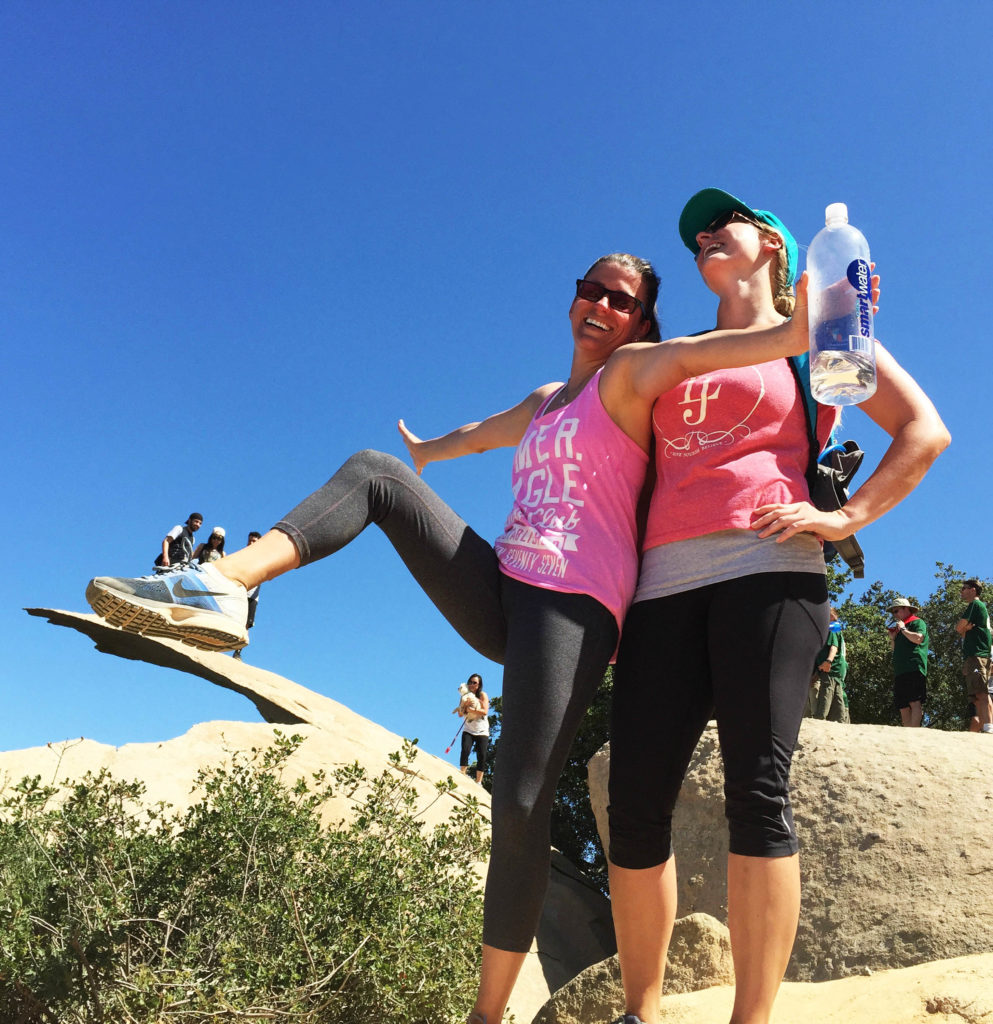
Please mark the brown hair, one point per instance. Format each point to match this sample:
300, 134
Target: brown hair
649, 278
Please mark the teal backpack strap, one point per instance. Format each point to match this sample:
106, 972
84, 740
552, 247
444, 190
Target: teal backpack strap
800, 365
841, 461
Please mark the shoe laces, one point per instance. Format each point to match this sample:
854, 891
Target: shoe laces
172, 570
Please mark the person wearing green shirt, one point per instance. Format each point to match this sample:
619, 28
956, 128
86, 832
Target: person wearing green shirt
909, 639
827, 699
974, 628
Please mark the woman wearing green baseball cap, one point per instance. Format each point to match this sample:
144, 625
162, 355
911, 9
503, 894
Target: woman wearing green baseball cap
730, 611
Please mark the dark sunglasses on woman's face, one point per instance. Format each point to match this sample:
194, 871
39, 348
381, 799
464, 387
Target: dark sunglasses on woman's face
723, 219
593, 291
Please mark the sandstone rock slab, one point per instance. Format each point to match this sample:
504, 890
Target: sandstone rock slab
896, 844
958, 991
699, 957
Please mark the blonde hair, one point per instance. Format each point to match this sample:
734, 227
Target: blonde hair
779, 275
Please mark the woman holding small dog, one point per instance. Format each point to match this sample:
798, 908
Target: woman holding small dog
475, 709
548, 597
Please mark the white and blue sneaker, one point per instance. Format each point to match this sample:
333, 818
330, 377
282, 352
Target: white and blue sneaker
196, 604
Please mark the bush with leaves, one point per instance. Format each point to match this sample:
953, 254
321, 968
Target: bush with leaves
243, 907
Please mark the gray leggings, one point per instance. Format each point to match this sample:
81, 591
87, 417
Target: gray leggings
554, 648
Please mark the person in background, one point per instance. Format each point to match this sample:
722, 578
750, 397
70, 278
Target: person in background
476, 730
177, 544
252, 595
974, 628
827, 699
909, 640
212, 548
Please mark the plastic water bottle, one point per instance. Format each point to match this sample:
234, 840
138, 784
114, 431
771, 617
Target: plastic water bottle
842, 349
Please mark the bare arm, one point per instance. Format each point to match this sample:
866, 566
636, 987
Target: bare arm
902, 409
963, 626
502, 430
914, 638
637, 374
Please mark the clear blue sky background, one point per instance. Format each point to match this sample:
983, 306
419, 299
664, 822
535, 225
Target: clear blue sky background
239, 241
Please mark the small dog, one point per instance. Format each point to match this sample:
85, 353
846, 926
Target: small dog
469, 701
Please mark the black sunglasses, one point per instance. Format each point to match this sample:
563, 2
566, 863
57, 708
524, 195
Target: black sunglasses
593, 291
723, 219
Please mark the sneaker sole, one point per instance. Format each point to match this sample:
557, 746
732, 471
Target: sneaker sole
174, 622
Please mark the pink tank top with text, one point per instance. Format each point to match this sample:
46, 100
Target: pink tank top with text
726, 443
576, 480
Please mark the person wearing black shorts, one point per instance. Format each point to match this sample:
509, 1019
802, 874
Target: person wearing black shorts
909, 639
476, 730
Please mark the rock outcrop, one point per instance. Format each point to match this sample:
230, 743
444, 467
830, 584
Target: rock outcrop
896, 845
699, 957
575, 930
950, 992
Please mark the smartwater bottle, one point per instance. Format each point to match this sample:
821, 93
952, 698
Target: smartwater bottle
842, 350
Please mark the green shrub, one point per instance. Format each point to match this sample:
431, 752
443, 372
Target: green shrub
244, 907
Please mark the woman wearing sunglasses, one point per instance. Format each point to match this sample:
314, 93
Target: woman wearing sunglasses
730, 610
547, 599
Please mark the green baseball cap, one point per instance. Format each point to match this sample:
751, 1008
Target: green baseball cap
708, 204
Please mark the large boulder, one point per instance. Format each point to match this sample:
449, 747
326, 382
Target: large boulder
896, 834
575, 930
699, 957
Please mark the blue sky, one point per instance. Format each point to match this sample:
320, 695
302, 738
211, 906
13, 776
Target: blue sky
239, 241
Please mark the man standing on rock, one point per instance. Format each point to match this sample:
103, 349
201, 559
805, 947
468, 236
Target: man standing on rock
909, 638
827, 687
253, 594
177, 544
974, 628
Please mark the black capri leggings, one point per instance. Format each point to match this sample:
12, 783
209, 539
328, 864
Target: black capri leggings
742, 648
481, 745
554, 648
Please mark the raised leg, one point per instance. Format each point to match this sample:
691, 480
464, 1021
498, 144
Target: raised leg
558, 646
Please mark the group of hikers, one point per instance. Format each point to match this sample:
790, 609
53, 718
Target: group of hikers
910, 640
179, 548
723, 603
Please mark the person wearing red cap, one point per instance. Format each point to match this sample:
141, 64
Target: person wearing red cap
731, 609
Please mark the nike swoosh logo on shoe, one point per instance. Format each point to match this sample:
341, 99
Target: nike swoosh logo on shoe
180, 590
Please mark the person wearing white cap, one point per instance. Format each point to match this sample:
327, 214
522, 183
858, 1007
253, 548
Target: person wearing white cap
909, 640
212, 548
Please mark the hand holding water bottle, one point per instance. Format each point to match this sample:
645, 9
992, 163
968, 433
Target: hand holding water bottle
842, 297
